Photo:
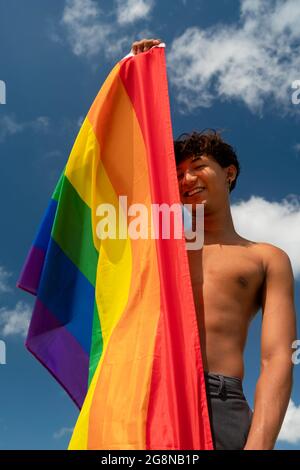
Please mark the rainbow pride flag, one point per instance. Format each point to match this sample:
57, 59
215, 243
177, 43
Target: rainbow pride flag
114, 319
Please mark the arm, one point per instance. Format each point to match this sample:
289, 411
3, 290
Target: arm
274, 386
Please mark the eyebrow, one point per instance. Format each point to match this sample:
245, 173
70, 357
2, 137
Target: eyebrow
194, 159
197, 157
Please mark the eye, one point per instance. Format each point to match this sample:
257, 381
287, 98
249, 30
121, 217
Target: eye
179, 176
199, 166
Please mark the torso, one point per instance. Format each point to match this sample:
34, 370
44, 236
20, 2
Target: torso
227, 281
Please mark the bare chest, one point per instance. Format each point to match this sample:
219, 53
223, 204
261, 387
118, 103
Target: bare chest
225, 269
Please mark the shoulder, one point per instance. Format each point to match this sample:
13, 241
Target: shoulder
265, 250
274, 259
271, 252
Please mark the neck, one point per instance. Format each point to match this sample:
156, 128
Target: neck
218, 226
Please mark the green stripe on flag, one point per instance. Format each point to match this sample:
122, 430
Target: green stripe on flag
72, 230
58, 186
96, 344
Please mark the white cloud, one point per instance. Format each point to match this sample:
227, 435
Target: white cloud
10, 126
62, 432
15, 321
129, 11
91, 31
297, 148
252, 60
290, 430
87, 32
52, 155
80, 121
41, 123
52, 31
273, 222
4, 276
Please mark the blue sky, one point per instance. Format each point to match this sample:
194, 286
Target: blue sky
230, 65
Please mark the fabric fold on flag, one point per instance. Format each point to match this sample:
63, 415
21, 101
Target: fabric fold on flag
114, 319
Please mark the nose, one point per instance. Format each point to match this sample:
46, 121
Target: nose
189, 176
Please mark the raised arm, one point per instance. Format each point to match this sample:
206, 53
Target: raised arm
274, 386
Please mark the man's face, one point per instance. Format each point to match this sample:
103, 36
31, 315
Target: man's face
202, 180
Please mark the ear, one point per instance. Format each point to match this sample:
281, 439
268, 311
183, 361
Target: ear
231, 172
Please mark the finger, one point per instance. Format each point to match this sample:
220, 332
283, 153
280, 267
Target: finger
154, 42
150, 43
147, 42
134, 47
141, 43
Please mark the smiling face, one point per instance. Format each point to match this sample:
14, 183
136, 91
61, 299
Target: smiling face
202, 180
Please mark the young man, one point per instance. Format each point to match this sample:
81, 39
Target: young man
233, 278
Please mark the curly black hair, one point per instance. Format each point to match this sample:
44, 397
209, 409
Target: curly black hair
206, 142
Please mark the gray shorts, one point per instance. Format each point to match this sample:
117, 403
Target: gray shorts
230, 414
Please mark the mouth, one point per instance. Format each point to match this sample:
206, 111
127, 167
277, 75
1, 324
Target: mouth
192, 192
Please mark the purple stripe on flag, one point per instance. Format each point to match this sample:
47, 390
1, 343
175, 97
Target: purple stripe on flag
54, 346
31, 273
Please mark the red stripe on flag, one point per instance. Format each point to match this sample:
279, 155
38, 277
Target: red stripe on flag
178, 414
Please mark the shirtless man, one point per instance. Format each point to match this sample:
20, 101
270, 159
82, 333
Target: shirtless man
233, 278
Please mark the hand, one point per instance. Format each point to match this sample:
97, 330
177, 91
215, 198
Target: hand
144, 45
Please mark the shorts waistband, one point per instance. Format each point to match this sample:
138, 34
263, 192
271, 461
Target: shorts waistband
223, 385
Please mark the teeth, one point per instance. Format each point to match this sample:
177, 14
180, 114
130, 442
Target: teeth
197, 190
